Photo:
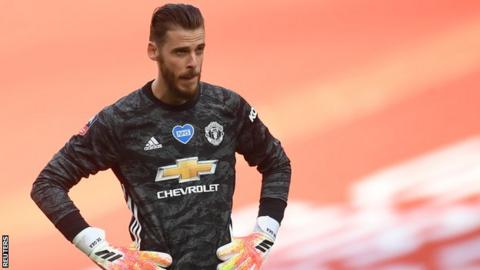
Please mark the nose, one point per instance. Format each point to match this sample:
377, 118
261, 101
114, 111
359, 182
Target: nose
192, 60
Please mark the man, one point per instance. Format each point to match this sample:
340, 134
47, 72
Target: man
172, 146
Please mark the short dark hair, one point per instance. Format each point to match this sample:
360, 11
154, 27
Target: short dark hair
169, 16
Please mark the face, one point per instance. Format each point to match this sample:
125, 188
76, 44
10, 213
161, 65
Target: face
180, 59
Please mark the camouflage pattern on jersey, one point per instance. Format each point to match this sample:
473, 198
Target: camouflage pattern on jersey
176, 166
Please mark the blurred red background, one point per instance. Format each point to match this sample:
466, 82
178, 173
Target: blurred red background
376, 103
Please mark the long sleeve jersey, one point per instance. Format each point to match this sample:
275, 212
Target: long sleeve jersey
176, 166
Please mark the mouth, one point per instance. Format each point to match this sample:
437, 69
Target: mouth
189, 77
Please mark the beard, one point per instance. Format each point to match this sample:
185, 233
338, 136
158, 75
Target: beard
172, 82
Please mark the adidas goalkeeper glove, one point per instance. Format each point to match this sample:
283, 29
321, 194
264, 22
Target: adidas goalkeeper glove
91, 241
249, 252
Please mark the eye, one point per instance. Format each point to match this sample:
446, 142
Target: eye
200, 50
180, 52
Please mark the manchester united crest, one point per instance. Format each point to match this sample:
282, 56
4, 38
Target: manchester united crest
214, 133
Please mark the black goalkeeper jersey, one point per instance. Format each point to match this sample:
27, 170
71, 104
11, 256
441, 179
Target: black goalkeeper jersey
176, 166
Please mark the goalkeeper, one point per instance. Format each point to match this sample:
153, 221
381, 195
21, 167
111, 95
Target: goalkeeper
172, 145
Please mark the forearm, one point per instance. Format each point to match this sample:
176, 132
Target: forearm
55, 203
276, 175
272, 207
50, 193
276, 183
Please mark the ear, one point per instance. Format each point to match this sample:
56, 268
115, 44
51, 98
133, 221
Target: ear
153, 51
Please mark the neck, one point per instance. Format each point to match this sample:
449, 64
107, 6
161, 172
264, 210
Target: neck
161, 91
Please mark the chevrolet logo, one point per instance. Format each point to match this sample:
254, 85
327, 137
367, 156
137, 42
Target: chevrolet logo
186, 169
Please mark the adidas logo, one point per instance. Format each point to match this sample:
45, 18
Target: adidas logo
108, 255
264, 245
152, 144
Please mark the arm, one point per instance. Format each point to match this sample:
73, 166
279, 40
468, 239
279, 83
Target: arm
94, 149
81, 156
262, 150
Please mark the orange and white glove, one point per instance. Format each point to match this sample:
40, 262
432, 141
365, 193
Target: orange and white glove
91, 241
249, 252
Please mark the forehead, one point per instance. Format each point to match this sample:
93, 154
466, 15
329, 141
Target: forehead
179, 37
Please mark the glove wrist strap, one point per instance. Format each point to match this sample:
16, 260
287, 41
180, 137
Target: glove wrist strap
89, 239
267, 225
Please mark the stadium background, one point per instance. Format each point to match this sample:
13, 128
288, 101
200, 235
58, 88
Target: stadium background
376, 103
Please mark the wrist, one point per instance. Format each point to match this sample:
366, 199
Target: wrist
268, 226
90, 239
71, 224
272, 207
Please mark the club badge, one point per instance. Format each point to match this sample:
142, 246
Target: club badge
183, 133
214, 133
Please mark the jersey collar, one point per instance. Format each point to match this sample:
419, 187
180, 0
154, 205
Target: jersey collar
147, 90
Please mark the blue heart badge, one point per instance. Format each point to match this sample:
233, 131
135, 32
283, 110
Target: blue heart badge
183, 133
